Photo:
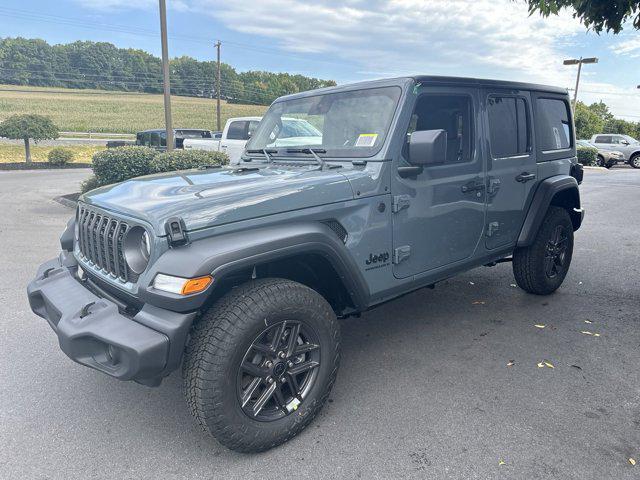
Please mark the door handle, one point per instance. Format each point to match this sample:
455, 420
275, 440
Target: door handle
472, 187
524, 177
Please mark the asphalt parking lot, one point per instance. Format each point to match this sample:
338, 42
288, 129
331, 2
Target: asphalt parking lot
424, 390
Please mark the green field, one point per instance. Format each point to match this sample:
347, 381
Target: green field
15, 153
101, 111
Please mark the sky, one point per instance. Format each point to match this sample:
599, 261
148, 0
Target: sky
352, 40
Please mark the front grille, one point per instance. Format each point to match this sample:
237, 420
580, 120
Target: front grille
100, 242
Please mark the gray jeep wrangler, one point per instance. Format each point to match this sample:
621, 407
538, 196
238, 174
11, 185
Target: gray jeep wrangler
239, 274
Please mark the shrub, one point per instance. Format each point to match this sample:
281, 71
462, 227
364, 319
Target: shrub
60, 156
587, 155
118, 164
185, 159
89, 184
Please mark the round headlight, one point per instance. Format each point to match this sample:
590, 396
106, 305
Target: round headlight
137, 249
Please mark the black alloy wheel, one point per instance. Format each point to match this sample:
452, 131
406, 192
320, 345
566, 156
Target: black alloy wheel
556, 252
278, 370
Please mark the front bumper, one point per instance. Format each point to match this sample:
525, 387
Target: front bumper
92, 330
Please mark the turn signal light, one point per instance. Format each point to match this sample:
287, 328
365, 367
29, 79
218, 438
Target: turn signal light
181, 286
196, 285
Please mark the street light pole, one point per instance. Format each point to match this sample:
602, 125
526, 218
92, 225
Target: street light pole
165, 75
579, 62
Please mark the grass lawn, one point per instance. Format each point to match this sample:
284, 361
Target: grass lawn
15, 153
114, 112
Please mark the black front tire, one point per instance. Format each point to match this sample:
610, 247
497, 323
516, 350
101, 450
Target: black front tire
221, 342
635, 161
600, 161
541, 267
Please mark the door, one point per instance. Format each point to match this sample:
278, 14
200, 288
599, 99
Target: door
439, 214
511, 165
605, 142
238, 134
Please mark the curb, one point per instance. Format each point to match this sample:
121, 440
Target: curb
588, 167
65, 202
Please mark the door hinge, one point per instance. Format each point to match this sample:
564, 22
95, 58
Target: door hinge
494, 186
401, 253
492, 228
400, 202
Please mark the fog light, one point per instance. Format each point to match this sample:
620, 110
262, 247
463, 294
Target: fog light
181, 286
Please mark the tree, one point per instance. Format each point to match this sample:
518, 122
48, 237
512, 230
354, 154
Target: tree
588, 122
25, 127
597, 14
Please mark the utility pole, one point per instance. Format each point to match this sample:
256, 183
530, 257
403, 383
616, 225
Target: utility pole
218, 85
165, 74
579, 62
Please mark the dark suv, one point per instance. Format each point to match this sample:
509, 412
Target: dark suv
239, 274
158, 138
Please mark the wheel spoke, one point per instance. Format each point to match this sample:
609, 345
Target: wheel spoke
303, 367
277, 337
264, 398
255, 370
262, 348
293, 339
548, 265
280, 401
293, 384
251, 389
305, 348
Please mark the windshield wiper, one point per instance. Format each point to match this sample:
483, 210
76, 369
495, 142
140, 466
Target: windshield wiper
311, 151
265, 151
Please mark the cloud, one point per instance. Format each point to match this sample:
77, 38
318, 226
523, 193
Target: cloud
411, 36
630, 47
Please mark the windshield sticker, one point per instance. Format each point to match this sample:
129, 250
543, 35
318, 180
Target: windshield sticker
366, 140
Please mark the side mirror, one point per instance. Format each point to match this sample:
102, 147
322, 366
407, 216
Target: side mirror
428, 147
624, 142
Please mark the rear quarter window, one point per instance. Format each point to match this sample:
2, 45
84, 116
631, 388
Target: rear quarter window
554, 131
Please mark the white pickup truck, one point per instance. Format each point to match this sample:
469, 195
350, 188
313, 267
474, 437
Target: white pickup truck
237, 131
234, 137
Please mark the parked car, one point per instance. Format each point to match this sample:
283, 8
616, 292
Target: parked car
604, 158
232, 141
238, 131
240, 274
628, 146
158, 138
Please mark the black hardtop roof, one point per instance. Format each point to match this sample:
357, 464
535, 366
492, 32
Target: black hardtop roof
434, 80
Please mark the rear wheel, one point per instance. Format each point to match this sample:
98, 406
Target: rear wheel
541, 267
261, 363
635, 161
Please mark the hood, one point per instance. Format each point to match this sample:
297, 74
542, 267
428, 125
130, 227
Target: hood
204, 198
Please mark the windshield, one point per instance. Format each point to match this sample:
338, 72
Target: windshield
345, 124
630, 139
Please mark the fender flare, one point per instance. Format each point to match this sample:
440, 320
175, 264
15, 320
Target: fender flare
540, 203
225, 254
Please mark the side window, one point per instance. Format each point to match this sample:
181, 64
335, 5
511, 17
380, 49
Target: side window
509, 128
237, 131
616, 140
451, 113
554, 128
603, 139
